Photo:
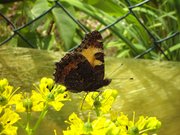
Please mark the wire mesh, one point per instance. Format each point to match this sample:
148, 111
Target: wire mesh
155, 44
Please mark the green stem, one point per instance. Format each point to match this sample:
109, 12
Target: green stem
97, 111
42, 115
145, 130
28, 129
21, 125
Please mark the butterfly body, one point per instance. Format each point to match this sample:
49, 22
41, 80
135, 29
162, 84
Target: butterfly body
83, 68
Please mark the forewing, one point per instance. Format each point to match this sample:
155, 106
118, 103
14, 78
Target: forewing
92, 49
74, 71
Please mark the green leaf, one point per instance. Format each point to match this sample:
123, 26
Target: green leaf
110, 7
31, 37
66, 26
40, 6
92, 2
175, 47
172, 50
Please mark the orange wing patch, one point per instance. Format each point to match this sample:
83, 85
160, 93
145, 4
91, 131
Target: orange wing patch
89, 53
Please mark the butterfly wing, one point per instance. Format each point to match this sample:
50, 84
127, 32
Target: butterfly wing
74, 71
92, 49
83, 68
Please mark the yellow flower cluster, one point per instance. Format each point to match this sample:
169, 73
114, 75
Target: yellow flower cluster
120, 124
100, 102
7, 116
7, 119
104, 126
47, 94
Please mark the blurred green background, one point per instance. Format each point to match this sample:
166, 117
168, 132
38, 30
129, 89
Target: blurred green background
56, 31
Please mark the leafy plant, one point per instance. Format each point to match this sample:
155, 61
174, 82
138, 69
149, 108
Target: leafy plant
125, 38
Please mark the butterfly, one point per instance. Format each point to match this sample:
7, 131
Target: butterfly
82, 69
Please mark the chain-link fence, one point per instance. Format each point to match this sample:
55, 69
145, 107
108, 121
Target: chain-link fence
155, 42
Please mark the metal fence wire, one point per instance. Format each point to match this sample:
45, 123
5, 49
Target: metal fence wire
156, 43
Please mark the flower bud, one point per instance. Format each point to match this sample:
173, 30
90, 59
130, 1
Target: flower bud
27, 103
153, 123
88, 127
3, 83
50, 97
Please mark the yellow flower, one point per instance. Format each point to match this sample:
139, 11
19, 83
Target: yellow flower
3, 84
153, 123
7, 93
24, 102
122, 122
7, 119
102, 126
48, 93
142, 126
76, 125
100, 102
141, 122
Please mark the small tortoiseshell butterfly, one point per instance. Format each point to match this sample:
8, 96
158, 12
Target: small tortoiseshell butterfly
83, 68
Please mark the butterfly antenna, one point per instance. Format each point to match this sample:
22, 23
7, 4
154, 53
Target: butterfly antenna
114, 71
84, 99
